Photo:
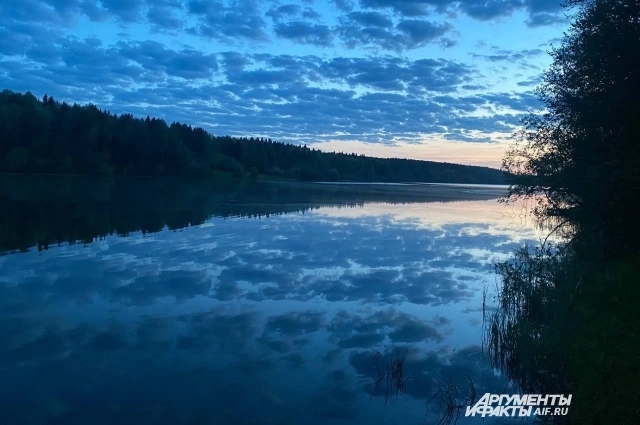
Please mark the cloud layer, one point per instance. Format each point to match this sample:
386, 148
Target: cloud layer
302, 71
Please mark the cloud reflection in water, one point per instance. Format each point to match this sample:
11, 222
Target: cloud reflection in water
249, 321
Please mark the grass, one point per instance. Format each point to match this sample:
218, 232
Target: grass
451, 399
390, 381
565, 325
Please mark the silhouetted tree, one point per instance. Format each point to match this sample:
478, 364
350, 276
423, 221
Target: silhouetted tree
582, 152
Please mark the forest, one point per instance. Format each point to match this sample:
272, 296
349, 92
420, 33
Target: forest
51, 137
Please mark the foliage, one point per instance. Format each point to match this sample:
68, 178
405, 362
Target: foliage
567, 320
51, 137
582, 152
566, 326
532, 283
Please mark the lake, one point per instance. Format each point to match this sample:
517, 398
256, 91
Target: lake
146, 301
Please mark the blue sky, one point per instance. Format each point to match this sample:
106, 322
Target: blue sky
427, 79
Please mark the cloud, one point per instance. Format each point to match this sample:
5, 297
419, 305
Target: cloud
295, 324
419, 32
541, 6
34, 11
388, 73
241, 19
519, 102
375, 30
381, 282
295, 360
501, 55
414, 330
309, 13
164, 19
333, 355
305, 33
234, 61
343, 5
545, 19
274, 344
17, 38
127, 10
356, 331
145, 290
370, 19
42, 346
88, 64
233, 332
225, 291
541, 12
489, 10
404, 7
283, 11
531, 82
361, 340
266, 94
154, 56
261, 77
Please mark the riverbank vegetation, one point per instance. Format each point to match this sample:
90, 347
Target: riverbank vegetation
46, 136
567, 320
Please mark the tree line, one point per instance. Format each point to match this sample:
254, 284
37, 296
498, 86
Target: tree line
47, 136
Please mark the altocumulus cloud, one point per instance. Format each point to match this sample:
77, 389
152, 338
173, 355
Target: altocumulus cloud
377, 71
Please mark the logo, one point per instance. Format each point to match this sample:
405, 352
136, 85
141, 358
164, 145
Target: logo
520, 405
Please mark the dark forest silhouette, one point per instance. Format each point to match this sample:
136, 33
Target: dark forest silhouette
52, 137
567, 319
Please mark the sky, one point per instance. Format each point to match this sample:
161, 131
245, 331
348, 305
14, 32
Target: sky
437, 80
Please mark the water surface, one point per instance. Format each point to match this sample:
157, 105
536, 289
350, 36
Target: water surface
139, 301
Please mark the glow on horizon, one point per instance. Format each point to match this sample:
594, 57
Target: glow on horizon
482, 154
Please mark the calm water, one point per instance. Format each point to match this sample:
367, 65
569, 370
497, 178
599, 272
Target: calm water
240, 303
